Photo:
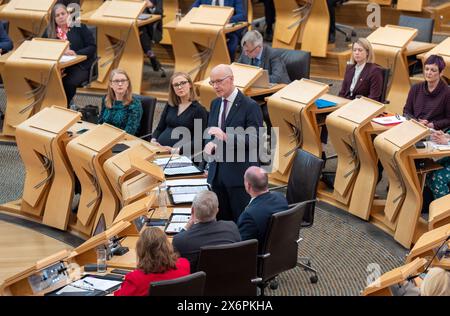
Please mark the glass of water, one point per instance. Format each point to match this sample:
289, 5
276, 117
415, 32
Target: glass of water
101, 260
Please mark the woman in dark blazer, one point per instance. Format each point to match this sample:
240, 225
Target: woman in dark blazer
82, 42
182, 112
362, 77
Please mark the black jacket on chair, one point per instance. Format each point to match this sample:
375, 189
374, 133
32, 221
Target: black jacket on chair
82, 42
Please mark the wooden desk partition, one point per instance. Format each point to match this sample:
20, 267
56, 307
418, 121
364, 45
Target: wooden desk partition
308, 24
427, 246
389, 45
32, 81
49, 180
443, 50
411, 5
87, 153
401, 215
290, 110
170, 8
356, 174
27, 19
199, 42
118, 42
381, 287
90, 5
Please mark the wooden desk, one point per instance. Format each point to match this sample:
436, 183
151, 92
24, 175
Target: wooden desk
27, 19
415, 48
308, 25
350, 130
118, 42
199, 42
389, 44
443, 50
33, 72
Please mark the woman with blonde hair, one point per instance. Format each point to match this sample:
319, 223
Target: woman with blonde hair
182, 110
436, 283
362, 77
119, 107
156, 261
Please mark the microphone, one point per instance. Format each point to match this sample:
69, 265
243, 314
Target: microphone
429, 263
116, 239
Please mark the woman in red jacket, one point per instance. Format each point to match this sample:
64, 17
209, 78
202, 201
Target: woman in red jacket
157, 261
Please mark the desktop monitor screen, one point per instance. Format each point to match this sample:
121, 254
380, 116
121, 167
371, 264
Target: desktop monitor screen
101, 225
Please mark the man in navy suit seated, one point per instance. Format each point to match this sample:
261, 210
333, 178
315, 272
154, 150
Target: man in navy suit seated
255, 219
6, 44
234, 124
239, 16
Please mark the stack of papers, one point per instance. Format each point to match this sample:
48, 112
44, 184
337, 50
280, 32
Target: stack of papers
179, 165
438, 146
178, 220
389, 120
89, 284
185, 194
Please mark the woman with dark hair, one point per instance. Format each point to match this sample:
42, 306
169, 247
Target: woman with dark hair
156, 261
82, 42
119, 107
429, 101
362, 77
182, 110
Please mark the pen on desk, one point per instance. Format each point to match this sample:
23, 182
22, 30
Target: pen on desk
88, 283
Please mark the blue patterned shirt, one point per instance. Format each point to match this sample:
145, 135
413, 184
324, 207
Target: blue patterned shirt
126, 117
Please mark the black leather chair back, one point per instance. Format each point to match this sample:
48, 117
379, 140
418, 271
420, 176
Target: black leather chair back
93, 72
303, 182
297, 62
424, 25
190, 285
386, 73
281, 242
230, 268
148, 112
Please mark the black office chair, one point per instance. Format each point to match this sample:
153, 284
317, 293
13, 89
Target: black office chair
342, 27
425, 34
386, 74
190, 285
93, 71
297, 62
231, 268
280, 248
303, 182
148, 112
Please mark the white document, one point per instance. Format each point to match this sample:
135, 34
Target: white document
188, 189
182, 210
70, 289
177, 159
181, 182
181, 170
97, 284
183, 198
66, 58
389, 120
175, 227
180, 218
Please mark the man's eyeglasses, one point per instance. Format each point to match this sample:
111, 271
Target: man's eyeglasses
218, 81
246, 51
180, 84
121, 81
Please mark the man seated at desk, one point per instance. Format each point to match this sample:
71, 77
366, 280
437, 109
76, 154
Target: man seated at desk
239, 16
255, 53
429, 101
6, 44
254, 221
203, 229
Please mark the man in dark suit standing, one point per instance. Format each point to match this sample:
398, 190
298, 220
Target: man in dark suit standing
233, 124
255, 53
203, 229
254, 220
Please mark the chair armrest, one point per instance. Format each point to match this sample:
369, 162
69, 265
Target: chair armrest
256, 280
263, 256
303, 202
278, 188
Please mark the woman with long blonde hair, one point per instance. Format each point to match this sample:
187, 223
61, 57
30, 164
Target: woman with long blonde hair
119, 107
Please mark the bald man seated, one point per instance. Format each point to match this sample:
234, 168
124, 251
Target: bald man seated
254, 220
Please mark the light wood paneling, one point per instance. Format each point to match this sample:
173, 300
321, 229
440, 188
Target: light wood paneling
21, 247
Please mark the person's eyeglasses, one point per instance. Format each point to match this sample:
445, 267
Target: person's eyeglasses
121, 81
218, 81
246, 51
180, 84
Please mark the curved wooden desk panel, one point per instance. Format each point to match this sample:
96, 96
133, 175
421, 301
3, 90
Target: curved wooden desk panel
287, 28
314, 37
87, 154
